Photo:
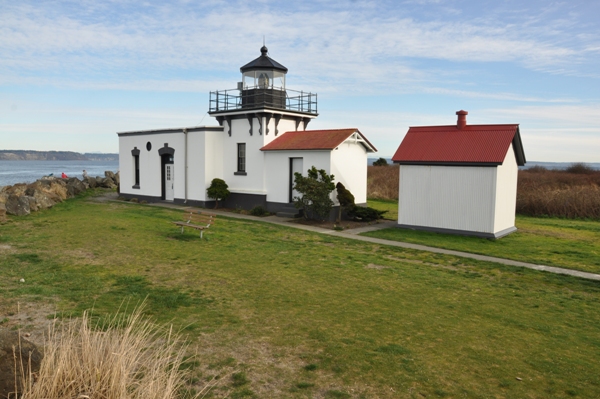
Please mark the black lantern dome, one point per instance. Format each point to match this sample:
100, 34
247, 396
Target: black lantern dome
263, 81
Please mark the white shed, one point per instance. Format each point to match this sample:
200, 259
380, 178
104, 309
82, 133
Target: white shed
460, 179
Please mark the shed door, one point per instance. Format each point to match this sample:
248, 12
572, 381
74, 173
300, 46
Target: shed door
169, 177
295, 166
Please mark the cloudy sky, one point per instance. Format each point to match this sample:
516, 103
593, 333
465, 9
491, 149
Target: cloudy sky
73, 73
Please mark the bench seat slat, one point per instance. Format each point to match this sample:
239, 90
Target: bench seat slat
196, 220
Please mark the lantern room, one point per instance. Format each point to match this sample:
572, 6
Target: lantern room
263, 73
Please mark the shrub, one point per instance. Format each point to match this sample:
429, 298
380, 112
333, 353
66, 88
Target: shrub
365, 214
258, 211
315, 190
218, 190
580, 169
380, 162
345, 198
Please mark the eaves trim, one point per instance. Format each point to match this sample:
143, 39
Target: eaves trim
172, 130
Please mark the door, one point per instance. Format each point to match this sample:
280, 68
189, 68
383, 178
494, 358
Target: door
296, 165
169, 177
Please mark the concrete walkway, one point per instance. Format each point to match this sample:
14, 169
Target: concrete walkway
353, 234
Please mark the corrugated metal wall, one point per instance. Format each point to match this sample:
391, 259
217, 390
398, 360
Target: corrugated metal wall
506, 192
448, 197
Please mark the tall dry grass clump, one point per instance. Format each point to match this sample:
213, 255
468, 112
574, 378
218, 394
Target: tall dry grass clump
573, 193
382, 182
124, 358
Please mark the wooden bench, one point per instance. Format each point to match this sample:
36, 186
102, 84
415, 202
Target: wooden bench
195, 219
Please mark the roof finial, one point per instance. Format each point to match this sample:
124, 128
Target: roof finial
264, 50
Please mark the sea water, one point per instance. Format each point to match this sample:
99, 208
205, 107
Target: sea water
12, 172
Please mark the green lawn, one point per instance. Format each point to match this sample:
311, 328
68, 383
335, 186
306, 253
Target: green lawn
390, 206
573, 244
294, 314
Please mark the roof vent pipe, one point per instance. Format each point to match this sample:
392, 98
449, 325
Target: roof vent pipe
462, 119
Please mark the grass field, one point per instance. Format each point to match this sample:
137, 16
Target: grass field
568, 243
283, 313
390, 206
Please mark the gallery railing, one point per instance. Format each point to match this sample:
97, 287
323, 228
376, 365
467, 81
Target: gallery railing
235, 99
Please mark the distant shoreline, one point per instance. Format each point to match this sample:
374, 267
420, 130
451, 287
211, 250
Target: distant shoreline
30, 155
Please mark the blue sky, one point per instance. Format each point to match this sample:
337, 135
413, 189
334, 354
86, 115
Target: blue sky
73, 73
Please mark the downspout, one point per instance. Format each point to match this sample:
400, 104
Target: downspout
185, 162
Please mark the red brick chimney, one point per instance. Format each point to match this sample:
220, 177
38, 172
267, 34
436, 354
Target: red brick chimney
462, 119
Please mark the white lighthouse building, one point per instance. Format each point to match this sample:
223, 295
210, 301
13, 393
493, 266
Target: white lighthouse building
260, 141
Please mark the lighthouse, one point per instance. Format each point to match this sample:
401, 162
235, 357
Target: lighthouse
260, 142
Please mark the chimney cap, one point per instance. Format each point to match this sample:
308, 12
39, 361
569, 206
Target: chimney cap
462, 119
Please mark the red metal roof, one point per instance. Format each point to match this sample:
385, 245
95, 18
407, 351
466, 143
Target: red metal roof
314, 140
473, 144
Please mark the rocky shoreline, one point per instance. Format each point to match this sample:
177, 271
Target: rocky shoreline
22, 199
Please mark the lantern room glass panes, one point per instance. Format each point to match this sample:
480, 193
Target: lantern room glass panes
264, 79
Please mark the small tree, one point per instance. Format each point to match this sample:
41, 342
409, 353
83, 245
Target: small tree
380, 162
218, 190
315, 190
345, 198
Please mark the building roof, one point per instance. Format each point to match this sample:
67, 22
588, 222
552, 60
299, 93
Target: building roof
317, 140
460, 144
263, 62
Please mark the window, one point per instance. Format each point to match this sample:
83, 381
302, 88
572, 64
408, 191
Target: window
136, 160
241, 159
136, 167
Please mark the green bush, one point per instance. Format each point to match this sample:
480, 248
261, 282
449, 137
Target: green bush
365, 214
345, 198
218, 190
380, 162
258, 211
315, 190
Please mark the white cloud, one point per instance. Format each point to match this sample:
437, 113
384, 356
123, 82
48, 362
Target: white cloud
365, 45
365, 52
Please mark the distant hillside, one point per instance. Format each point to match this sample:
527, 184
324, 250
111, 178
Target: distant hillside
27, 155
90, 156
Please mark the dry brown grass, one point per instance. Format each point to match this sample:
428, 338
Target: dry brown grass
382, 182
124, 358
543, 192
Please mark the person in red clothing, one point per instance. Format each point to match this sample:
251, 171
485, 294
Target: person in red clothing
64, 176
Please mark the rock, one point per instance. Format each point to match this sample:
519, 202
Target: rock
17, 205
91, 181
26, 352
43, 199
117, 178
33, 205
74, 187
2, 212
110, 174
107, 182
